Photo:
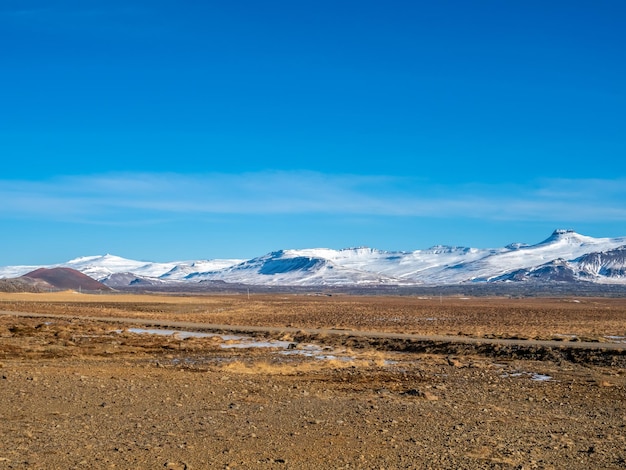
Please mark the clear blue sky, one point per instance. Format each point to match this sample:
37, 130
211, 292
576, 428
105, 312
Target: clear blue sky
165, 130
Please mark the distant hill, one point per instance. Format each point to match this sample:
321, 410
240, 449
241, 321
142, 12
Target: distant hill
63, 279
20, 285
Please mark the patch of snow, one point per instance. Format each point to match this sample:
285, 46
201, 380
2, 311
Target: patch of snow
540, 378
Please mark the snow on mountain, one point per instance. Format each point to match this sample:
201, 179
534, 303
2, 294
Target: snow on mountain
558, 270
118, 280
605, 266
100, 267
564, 256
413, 267
562, 244
293, 267
438, 265
184, 269
7, 272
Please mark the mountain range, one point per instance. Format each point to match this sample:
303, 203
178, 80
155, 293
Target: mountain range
565, 257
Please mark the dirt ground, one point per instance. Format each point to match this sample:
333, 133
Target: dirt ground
78, 393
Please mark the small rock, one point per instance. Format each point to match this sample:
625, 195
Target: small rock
420, 394
455, 362
176, 466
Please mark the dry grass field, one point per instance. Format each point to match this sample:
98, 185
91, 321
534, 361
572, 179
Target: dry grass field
80, 393
531, 318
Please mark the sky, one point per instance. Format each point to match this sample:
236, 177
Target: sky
162, 130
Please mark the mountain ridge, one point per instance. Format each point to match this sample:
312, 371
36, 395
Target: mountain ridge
564, 256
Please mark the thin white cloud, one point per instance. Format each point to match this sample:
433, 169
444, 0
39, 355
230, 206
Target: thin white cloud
120, 197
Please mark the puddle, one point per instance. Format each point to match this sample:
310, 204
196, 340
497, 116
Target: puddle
616, 339
289, 348
307, 350
317, 352
540, 377
533, 376
251, 343
237, 341
183, 334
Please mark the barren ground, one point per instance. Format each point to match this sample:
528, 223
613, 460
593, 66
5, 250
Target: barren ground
78, 393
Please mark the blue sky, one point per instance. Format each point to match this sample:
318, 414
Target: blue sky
164, 130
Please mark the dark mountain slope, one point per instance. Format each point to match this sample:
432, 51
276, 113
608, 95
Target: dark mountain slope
66, 278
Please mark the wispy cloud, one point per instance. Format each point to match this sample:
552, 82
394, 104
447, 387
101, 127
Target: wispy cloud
119, 198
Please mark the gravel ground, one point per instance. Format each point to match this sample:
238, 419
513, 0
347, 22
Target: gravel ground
81, 394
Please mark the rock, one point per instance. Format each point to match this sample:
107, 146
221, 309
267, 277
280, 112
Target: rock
420, 394
455, 362
176, 466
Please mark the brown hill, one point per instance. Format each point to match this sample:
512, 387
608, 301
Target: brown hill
66, 278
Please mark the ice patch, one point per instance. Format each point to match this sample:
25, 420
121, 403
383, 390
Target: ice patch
533, 376
540, 377
243, 342
239, 342
183, 334
251, 343
311, 350
617, 339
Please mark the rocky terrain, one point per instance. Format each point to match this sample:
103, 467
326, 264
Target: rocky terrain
80, 393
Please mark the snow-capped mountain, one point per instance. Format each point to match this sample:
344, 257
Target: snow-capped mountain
565, 256
607, 267
295, 268
558, 270
102, 267
605, 264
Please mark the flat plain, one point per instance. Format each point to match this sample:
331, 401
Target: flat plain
307, 381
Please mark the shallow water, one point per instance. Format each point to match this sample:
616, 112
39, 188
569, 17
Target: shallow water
183, 334
244, 342
533, 376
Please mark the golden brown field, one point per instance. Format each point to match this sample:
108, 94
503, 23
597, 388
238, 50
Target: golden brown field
591, 318
80, 393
